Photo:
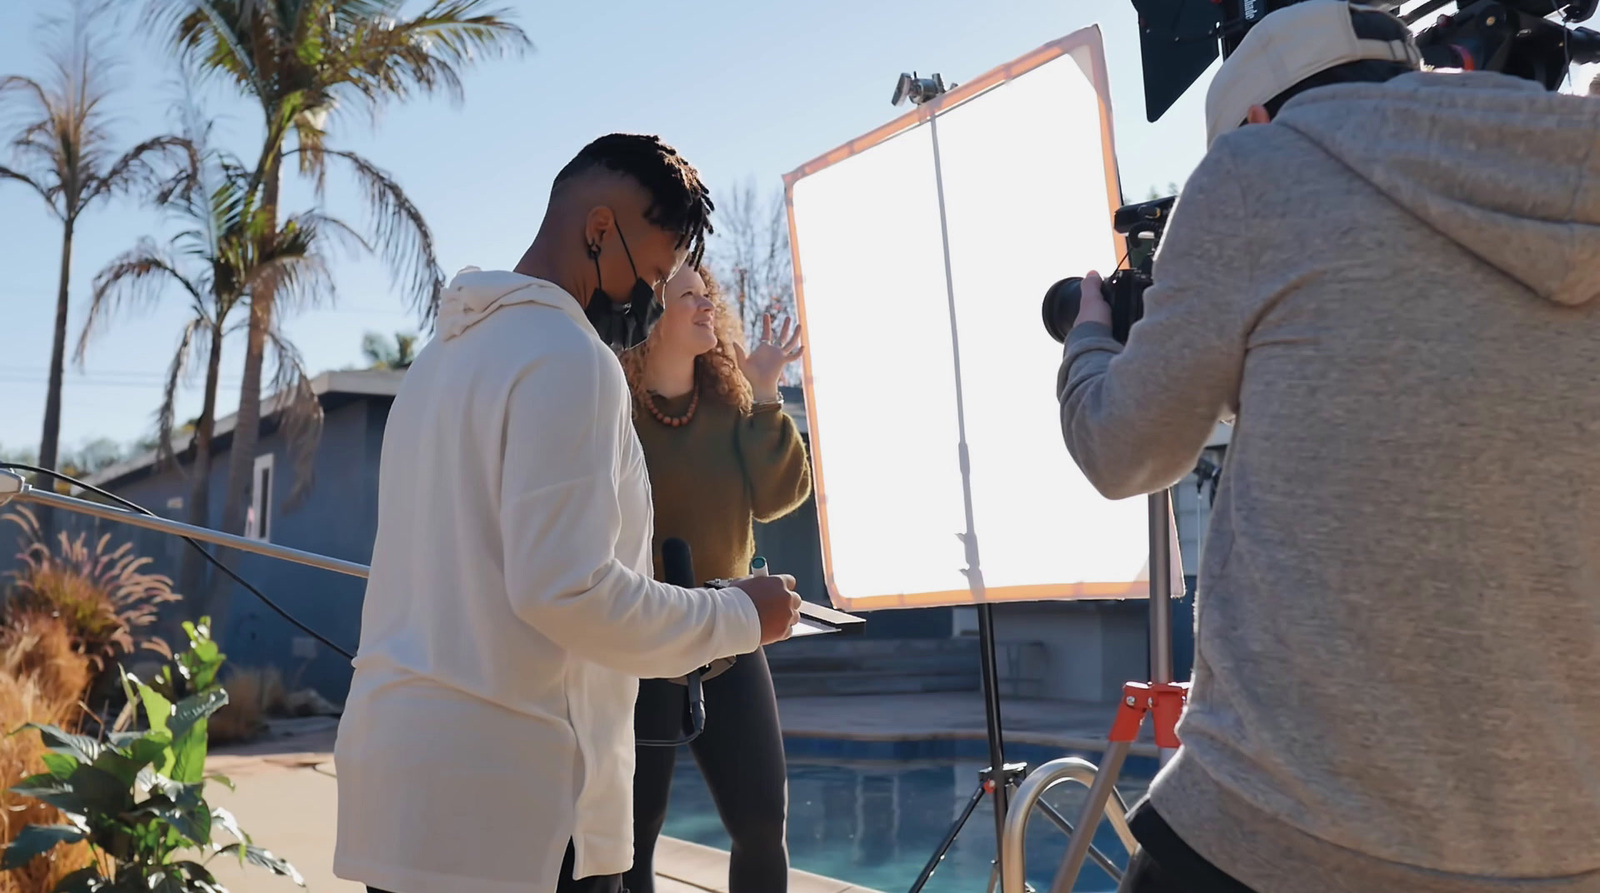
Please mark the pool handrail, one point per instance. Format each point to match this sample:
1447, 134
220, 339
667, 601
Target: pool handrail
1013, 876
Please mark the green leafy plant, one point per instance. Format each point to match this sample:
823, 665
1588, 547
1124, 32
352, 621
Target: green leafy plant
138, 798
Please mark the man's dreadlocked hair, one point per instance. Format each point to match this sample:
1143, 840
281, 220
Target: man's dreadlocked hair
679, 202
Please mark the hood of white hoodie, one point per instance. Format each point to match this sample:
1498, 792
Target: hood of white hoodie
1498, 165
474, 295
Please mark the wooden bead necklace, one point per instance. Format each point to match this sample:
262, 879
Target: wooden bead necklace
672, 421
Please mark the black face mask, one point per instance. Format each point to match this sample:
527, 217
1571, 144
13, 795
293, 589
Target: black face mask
622, 325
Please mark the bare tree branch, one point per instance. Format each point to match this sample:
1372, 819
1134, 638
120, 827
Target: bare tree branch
750, 257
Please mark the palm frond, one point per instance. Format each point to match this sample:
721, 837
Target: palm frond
346, 14
169, 393
16, 83
318, 231
402, 236
381, 353
136, 276
63, 142
300, 414
310, 136
297, 277
215, 37
7, 173
376, 349
133, 171
387, 58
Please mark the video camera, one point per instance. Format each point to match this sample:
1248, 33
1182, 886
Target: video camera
1179, 39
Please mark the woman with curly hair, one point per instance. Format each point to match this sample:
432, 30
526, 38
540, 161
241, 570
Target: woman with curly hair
721, 454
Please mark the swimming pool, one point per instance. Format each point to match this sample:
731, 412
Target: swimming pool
876, 823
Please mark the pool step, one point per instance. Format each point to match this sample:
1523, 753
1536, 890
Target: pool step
815, 667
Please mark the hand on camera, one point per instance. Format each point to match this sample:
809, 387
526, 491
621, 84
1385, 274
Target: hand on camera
776, 602
1092, 306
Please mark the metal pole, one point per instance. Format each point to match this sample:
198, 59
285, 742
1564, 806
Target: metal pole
13, 487
991, 717
991, 675
1161, 587
1031, 794
1094, 806
1160, 672
150, 522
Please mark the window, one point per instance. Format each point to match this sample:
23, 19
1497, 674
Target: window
258, 524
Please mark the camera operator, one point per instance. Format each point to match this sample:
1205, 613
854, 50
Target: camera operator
1389, 279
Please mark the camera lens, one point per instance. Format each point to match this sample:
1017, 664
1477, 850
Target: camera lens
1061, 307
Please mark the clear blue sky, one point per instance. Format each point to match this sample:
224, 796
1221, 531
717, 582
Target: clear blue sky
747, 90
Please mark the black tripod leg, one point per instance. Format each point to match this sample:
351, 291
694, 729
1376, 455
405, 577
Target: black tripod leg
949, 839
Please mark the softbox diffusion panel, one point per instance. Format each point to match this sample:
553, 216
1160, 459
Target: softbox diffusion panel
882, 368
1029, 182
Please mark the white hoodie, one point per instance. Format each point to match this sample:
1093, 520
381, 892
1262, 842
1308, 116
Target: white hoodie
511, 609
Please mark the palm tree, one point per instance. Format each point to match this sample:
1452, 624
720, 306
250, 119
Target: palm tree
228, 251
381, 353
63, 152
300, 60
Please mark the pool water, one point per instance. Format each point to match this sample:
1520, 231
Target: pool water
876, 824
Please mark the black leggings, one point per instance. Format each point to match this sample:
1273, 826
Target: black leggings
740, 754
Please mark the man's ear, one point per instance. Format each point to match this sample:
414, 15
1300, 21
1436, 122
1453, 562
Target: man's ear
599, 222
1258, 115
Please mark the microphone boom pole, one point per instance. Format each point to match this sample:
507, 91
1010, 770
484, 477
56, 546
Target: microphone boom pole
14, 488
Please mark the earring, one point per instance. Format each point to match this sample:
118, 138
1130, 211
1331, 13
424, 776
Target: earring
594, 250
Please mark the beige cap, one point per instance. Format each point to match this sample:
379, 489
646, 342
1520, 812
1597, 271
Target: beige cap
1283, 49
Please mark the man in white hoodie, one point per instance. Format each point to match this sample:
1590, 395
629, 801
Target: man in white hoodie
487, 744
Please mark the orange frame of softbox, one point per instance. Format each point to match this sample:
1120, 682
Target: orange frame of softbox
1088, 50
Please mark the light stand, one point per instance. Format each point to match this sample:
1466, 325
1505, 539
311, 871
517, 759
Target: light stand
999, 779
1160, 695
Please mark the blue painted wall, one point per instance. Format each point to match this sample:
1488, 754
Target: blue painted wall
338, 517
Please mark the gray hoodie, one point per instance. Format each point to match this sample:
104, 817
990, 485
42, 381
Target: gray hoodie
1397, 670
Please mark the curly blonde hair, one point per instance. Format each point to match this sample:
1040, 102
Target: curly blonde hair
716, 372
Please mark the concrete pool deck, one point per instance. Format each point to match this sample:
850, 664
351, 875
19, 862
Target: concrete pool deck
288, 802
286, 797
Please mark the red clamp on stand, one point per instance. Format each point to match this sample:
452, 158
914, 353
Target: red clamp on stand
1165, 699
1161, 696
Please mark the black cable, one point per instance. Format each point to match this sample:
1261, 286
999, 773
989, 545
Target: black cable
132, 506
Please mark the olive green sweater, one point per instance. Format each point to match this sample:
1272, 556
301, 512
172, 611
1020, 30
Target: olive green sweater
712, 478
